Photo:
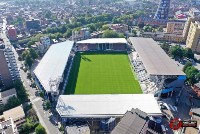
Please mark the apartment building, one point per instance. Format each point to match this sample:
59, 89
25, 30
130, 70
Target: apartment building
163, 10
8, 68
187, 27
11, 62
12, 33
175, 27
5, 95
16, 114
193, 38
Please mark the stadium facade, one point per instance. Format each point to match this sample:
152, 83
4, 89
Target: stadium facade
102, 44
163, 10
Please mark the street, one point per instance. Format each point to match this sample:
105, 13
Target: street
36, 101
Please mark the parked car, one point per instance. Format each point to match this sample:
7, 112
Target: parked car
164, 106
53, 120
157, 120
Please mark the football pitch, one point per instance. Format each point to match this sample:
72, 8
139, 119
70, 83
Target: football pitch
102, 73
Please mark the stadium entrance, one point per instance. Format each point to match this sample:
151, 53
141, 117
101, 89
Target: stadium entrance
105, 46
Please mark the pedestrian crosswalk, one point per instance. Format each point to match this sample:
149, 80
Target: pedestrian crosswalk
34, 99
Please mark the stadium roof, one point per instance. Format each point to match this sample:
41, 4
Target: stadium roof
154, 58
52, 65
102, 40
101, 106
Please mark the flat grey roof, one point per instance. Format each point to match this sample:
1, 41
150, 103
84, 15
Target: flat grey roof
154, 58
53, 64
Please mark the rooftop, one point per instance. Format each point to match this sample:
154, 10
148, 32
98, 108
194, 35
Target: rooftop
52, 65
103, 40
133, 122
78, 129
4, 71
105, 105
7, 127
8, 93
14, 113
154, 58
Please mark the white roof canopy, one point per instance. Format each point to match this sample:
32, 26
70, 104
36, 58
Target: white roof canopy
101, 106
52, 65
103, 41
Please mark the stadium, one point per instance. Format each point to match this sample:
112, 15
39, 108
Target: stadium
96, 81
102, 66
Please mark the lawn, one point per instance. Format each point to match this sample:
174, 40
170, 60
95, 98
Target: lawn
102, 73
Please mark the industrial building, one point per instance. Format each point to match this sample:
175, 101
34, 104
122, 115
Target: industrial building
156, 71
117, 44
52, 69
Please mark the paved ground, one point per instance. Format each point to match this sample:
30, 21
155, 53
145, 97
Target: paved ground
183, 106
36, 101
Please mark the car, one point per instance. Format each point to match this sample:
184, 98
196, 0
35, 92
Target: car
157, 120
53, 120
163, 106
163, 129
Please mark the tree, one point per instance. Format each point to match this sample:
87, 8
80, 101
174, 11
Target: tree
148, 28
187, 64
110, 34
33, 54
21, 91
189, 53
48, 14
121, 35
12, 102
193, 75
165, 47
176, 52
24, 54
40, 129
28, 61
141, 25
105, 27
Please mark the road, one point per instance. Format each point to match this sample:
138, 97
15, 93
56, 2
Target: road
36, 101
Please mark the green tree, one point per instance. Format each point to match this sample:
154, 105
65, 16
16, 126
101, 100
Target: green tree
141, 25
148, 28
193, 75
40, 129
187, 64
165, 47
189, 53
24, 54
110, 34
48, 14
121, 35
176, 52
33, 54
28, 61
12, 102
21, 91
105, 27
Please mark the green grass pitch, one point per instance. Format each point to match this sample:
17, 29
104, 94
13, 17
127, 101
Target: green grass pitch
102, 73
